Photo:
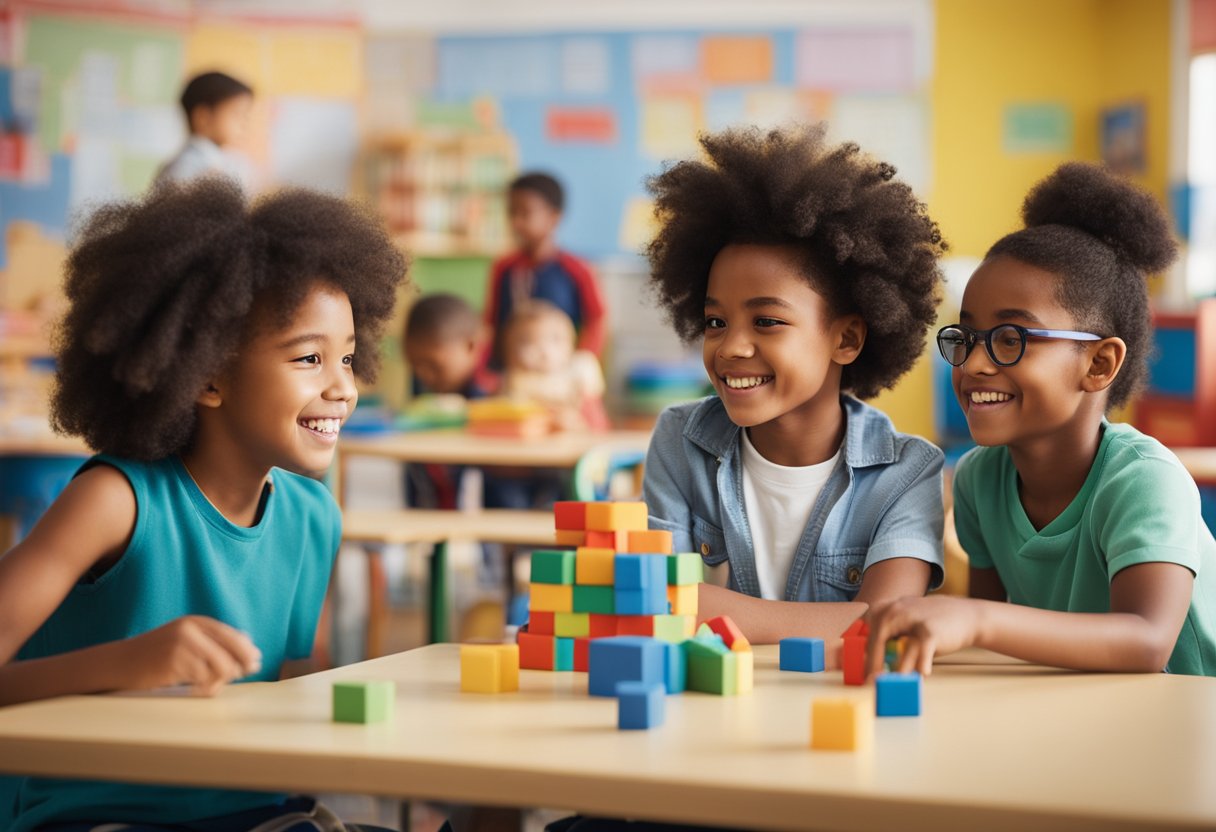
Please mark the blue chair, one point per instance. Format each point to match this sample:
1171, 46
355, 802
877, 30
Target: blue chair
29, 484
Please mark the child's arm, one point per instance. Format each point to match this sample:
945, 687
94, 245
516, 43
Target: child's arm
767, 622
90, 524
1148, 603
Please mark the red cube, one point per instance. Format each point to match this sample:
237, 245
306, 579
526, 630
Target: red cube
635, 625
603, 626
536, 652
541, 623
853, 660
570, 516
582, 654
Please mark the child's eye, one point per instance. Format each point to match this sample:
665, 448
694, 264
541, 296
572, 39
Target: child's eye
768, 322
309, 359
348, 360
714, 323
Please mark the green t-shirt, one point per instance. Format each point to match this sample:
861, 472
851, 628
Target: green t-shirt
1137, 505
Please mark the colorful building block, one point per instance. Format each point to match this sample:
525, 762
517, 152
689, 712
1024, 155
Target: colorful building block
594, 599
894, 652
675, 667
571, 538
685, 568
623, 659
616, 516
641, 705
563, 654
552, 567
712, 670
897, 694
841, 725
541, 623
603, 626
683, 599
640, 572
582, 654
616, 541
745, 670
652, 541
703, 630
853, 660
571, 624
569, 516
363, 702
710, 639
673, 627
594, 567
804, 655
537, 652
551, 597
857, 628
489, 668
725, 627
635, 625
649, 601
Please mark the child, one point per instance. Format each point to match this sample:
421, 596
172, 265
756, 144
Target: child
1091, 530
810, 273
217, 110
539, 269
209, 354
443, 342
543, 366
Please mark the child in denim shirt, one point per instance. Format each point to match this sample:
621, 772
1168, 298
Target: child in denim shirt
811, 275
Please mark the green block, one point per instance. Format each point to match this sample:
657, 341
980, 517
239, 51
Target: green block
716, 673
597, 599
563, 654
572, 624
671, 628
553, 567
711, 645
363, 702
684, 569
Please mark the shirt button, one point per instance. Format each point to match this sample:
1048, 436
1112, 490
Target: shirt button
854, 575
705, 549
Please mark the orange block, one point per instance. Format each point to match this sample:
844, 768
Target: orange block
741, 645
593, 567
536, 652
569, 516
723, 626
683, 599
551, 598
616, 517
653, 541
842, 724
571, 538
616, 541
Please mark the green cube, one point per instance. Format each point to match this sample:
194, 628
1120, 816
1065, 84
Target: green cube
563, 654
673, 628
684, 569
572, 624
597, 599
553, 567
363, 702
714, 673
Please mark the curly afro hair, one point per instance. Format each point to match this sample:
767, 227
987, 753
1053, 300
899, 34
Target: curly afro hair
867, 244
1101, 236
162, 293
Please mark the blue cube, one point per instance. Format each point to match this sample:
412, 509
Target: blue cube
675, 674
802, 654
611, 661
641, 706
563, 654
898, 694
640, 572
649, 601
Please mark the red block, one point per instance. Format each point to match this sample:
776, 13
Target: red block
582, 654
536, 652
570, 516
616, 541
853, 660
540, 623
635, 625
857, 628
723, 626
603, 626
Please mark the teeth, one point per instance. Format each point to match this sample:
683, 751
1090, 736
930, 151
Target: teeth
748, 381
989, 397
322, 425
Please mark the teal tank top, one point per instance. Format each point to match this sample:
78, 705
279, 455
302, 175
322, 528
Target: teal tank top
185, 558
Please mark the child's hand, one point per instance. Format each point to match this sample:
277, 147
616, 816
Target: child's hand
934, 624
194, 650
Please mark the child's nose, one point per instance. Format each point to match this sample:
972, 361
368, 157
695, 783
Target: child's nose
737, 344
979, 362
341, 385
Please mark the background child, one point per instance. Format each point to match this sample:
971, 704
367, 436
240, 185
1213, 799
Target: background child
542, 365
209, 354
217, 115
1092, 530
539, 269
808, 271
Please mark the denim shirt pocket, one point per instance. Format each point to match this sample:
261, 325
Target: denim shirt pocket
708, 541
838, 573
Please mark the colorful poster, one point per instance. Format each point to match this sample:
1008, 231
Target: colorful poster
737, 60
1044, 127
666, 62
670, 124
595, 125
879, 59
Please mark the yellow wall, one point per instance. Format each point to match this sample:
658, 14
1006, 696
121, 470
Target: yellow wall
1085, 54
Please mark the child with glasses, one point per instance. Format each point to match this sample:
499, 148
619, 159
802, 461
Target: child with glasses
1090, 529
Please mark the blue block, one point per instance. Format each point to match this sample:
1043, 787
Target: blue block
649, 601
641, 706
675, 675
624, 659
898, 694
640, 572
709, 644
563, 654
802, 654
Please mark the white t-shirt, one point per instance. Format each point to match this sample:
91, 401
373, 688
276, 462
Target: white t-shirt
779, 500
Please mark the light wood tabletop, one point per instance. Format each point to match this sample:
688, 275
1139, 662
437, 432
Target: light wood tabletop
42, 444
1001, 746
459, 447
523, 528
1201, 462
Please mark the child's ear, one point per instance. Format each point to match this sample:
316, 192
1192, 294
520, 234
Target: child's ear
1104, 364
851, 337
210, 396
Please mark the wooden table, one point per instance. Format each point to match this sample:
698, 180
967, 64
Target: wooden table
1201, 462
1001, 746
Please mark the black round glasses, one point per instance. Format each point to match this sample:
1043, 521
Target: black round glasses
1006, 343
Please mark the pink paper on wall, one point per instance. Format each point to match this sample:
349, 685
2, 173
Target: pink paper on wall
879, 59
1203, 25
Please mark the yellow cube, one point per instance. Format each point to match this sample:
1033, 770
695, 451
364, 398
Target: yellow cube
489, 668
842, 724
617, 517
594, 567
746, 668
683, 599
552, 597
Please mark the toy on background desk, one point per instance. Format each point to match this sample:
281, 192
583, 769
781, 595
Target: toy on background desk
363, 702
509, 418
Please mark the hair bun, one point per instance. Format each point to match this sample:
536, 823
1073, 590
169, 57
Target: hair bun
1091, 199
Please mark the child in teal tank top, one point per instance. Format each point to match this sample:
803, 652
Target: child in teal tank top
1090, 530
209, 354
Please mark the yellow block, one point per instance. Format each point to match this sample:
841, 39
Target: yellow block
616, 517
594, 567
552, 597
683, 599
744, 661
489, 668
842, 724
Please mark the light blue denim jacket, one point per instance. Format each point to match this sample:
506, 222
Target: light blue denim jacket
883, 500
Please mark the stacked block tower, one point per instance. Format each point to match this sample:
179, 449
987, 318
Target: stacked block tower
502, 417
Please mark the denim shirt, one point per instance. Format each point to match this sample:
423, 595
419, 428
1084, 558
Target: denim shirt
883, 500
